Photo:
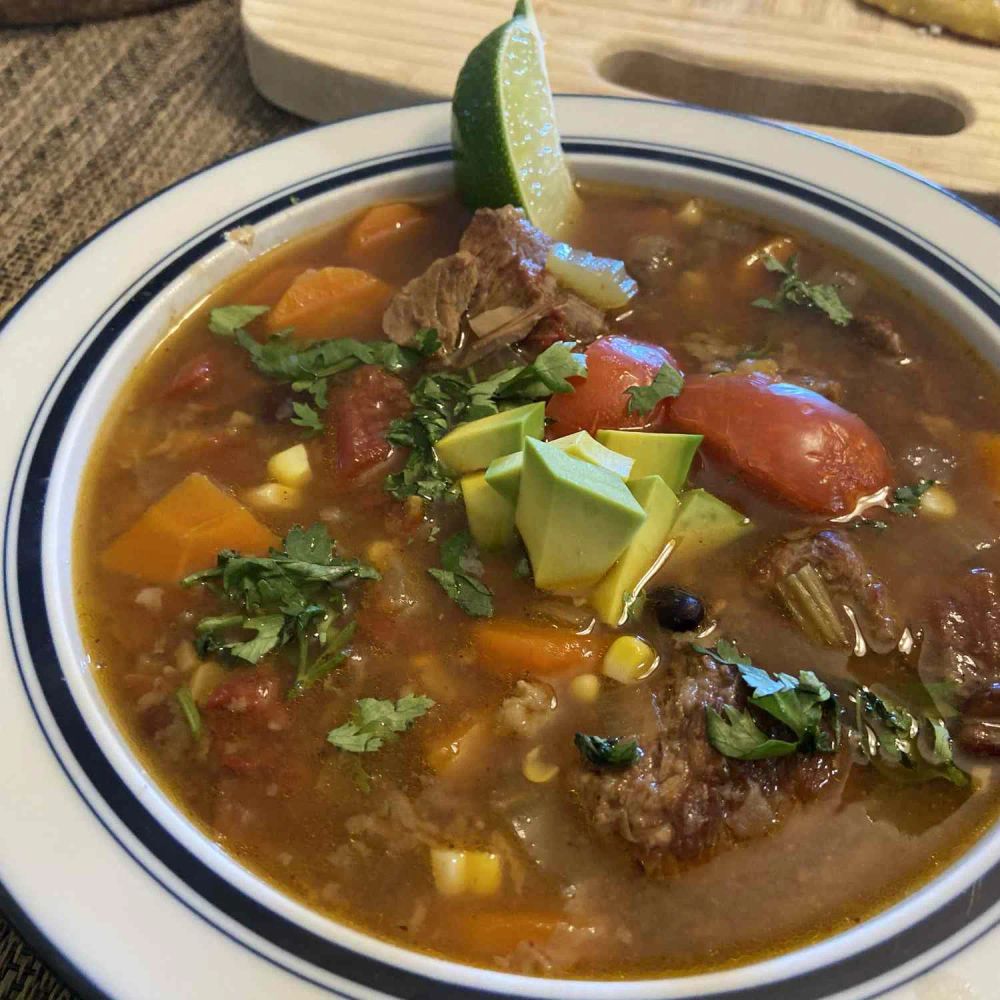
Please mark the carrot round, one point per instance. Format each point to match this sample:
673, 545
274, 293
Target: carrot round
331, 302
383, 225
510, 647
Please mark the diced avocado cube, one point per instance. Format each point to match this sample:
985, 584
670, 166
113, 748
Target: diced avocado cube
703, 524
504, 474
644, 554
668, 456
472, 446
491, 516
575, 518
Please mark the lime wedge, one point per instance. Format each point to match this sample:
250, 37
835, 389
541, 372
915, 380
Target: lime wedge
504, 133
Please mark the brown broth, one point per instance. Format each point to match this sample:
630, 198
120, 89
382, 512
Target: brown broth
295, 821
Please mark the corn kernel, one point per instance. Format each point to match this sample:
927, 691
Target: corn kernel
290, 467
273, 496
537, 770
585, 688
414, 507
629, 660
240, 419
380, 553
690, 213
206, 678
938, 503
457, 872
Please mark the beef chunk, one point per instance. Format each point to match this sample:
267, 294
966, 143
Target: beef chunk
499, 282
879, 331
511, 253
839, 562
436, 299
683, 801
965, 628
649, 259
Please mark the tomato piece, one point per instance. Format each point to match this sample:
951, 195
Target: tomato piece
600, 400
359, 415
246, 692
196, 377
791, 443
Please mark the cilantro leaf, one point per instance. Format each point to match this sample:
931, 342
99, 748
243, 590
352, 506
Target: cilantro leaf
668, 382
306, 416
459, 578
906, 499
797, 291
610, 751
375, 722
738, 736
268, 636
226, 320
902, 745
799, 704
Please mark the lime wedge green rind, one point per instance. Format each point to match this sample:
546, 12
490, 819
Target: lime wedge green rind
504, 133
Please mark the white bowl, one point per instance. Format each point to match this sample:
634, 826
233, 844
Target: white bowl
132, 900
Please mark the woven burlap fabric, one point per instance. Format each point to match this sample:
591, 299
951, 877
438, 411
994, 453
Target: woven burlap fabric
97, 117
93, 119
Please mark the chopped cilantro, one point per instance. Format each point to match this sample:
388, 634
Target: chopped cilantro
668, 382
906, 499
308, 367
903, 745
459, 577
226, 320
607, 751
287, 597
375, 722
799, 704
189, 709
443, 400
799, 292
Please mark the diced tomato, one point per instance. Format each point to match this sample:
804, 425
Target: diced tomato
197, 376
791, 443
359, 415
600, 400
247, 692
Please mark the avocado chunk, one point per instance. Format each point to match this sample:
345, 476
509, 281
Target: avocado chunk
491, 516
575, 518
504, 474
703, 524
472, 446
668, 456
644, 555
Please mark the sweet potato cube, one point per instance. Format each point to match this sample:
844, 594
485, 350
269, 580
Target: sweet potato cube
184, 530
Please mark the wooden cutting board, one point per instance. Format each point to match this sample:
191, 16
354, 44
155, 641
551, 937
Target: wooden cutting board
926, 99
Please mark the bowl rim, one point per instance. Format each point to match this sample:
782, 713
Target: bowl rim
436, 109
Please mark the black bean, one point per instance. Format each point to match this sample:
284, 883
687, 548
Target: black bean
676, 610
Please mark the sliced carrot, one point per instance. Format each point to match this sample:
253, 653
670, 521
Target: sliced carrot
752, 275
383, 225
499, 932
184, 531
459, 744
988, 446
269, 288
331, 302
512, 647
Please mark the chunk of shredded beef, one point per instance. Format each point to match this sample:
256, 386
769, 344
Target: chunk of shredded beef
839, 562
498, 282
437, 299
683, 801
879, 331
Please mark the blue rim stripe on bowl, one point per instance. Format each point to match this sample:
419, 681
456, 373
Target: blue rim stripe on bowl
252, 914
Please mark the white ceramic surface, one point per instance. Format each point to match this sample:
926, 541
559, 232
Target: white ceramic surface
125, 889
